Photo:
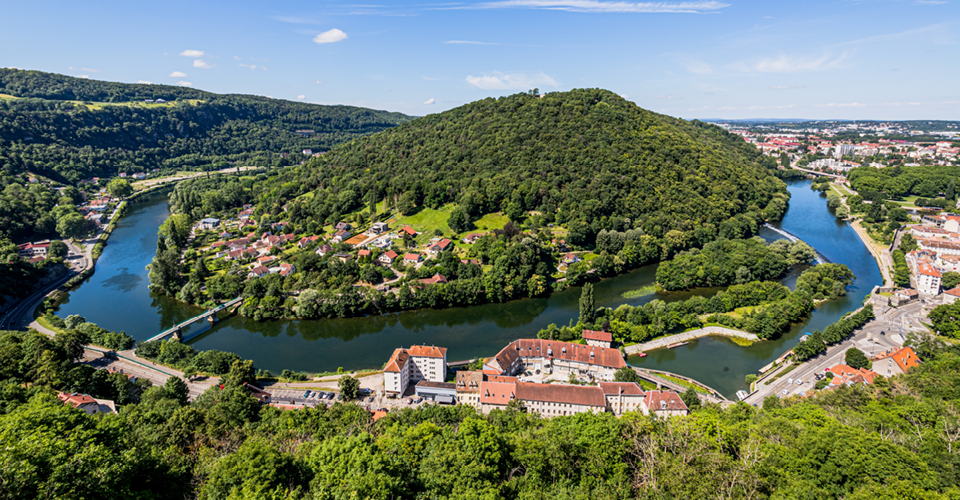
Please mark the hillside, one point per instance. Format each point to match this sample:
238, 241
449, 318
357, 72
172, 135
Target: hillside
585, 155
69, 128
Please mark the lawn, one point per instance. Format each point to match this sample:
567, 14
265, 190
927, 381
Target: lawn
490, 222
425, 221
907, 201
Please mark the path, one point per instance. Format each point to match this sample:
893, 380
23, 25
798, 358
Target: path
662, 383
814, 172
882, 255
145, 184
663, 342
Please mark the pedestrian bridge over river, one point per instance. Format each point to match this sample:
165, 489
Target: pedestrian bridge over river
176, 330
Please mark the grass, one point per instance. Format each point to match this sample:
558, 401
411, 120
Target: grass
426, 220
8, 96
639, 292
782, 373
886, 294
489, 222
684, 383
740, 341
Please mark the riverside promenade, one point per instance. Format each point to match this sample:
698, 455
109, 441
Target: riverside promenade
663, 342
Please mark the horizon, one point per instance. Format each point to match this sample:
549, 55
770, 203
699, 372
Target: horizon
882, 61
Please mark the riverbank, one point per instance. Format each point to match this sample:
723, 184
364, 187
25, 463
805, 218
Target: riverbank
881, 254
663, 342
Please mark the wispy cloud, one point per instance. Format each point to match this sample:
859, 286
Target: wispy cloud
184, 84
200, 63
330, 36
177, 74
301, 97
192, 53
145, 82
666, 96
887, 37
504, 81
796, 64
251, 66
430, 101
598, 6
238, 58
469, 42
83, 76
429, 78
697, 67
785, 87
91, 70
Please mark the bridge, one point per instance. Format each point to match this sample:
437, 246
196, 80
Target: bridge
816, 173
819, 256
175, 331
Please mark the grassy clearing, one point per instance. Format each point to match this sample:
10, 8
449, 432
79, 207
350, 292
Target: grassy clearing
489, 222
639, 292
782, 373
8, 96
425, 221
684, 383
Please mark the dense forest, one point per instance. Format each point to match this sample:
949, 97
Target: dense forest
587, 166
895, 439
897, 182
69, 129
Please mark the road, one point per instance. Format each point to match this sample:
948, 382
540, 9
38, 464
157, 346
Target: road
875, 337
139, 185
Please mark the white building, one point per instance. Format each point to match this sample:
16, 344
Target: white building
554, 357
928, 279
409, 366
623, 397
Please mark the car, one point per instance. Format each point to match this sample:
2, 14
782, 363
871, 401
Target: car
789, 381
409, 401
306, 394
527, 373
321, 395
785, 392
331, 395
537, 372
799, 381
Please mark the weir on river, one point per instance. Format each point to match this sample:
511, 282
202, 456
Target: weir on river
817, 255
117, 298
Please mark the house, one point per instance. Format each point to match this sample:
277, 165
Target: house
471, 261
379, 227
340, 236
123, 174
440, 392
906, 295
258, 272
408, 230
440, 246
548, 400
306, 241
472, 238
554, 357
307, 152
435, 279
33, 249
847, 375
388, 257
224, 235
287, 269
343, 226
928, 279
665, 404
139, 175
950, 296
272, 240
323, 249
412, 258
895, 362
623, 397
468, 387
87, 403
209, 223
599, 339
266, 259
343, 256
570, 258
363, 253
37, 259
417, 363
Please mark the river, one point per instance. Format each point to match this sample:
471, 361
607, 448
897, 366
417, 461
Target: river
117, 298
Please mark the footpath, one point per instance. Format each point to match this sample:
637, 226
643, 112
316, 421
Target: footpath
663, 342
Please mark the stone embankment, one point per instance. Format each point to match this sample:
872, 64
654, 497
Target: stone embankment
663, 342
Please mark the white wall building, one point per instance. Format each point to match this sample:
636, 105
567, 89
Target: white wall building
408, 366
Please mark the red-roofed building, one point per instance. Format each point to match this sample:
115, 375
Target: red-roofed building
440, 246
387, 257
409, 230
847, 375
363, 253
287, 269
665, 404
599, 339
412, 258
928, 279
258, 272
950, 296
434, 280
412, 365
306, 241
87, 403
895, 362
33, 249
554, 357
622, 397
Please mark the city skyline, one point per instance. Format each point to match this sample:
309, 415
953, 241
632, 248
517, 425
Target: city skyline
879, 60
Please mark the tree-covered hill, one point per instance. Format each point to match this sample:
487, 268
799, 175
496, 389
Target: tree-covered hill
70, 128
588, 159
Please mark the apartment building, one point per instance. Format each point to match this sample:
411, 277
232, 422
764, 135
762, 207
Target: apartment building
408, 366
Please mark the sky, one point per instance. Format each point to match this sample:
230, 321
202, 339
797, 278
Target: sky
732, 59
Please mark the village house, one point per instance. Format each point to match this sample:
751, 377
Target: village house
472, 238
599, 339
440, 246
435, 279
554, 357
340, 236
306, 241
363, 252
258, 272
343, 226
388, 257
287, 269
379, 227
468, 387
209, 223
950, 296
570, 258
87, 403
412, 258
33, 249
623, 397
896, 362
323, 249
408, 230
665, 404
412, 365
265, 260
343, 257
847, 375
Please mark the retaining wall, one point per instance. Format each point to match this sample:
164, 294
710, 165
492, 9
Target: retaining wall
663, 342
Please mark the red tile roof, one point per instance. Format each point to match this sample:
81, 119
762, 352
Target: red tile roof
75, 400
427, 351
409, 230
595, 335
664, 400
397, 360
561, 393
954, 291
905, 358
496, 393
411, 256
600, 356
631, 388
437, 278
928, 270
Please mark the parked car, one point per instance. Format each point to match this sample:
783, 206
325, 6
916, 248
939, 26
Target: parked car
799, 381
331, 395
306, 394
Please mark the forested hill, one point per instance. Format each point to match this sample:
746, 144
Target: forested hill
584, 156
70, 128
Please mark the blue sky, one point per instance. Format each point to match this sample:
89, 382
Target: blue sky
694, 59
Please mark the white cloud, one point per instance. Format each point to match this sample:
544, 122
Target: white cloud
318, 82
842, 105
145, 82
429, 79
301, 97
184, 84
83, 76
331, 36
598, 6
200, 63
238, 58
667, 96
177, 74
251, 66
784, 87
91, 70
698, 67
789, 64
504, 81
430, 101
192, 53
469, 42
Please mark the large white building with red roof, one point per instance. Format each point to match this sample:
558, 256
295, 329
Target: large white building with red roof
928, 279
554, 357
406, 367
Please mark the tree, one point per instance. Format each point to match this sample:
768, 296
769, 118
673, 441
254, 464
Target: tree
176, 389
908, 243
349, 388
119, 188
72, 226
57, 250
627, 374
588, 308
950, 280
691, 399
459, 220
855, 358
